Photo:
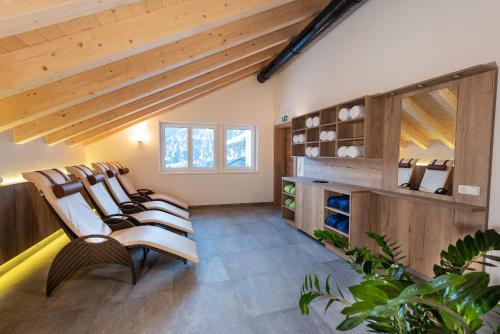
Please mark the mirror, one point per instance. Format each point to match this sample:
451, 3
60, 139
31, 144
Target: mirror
427, 142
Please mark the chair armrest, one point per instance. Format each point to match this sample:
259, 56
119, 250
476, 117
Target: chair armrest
140, 197
132, 207
120, 222
144, 191
441, 191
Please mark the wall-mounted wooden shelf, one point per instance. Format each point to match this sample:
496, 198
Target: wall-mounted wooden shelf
360, 132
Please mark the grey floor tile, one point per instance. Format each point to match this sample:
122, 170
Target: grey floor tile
290, 322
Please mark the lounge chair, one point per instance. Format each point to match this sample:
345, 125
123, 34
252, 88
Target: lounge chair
96, 241
132, 190
437, 177
406, 168
94, 185
120, 195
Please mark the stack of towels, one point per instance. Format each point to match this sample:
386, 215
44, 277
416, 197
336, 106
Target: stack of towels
327, 135
351, 151
312, 152
299, 139
356, 112
289, 189
338, 222
312, 122
290, 203
339, 202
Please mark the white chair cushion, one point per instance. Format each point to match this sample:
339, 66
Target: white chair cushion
405, 174
170, 198
73, 209
434, 179
158, 238
165, 219
127, 184
159, 205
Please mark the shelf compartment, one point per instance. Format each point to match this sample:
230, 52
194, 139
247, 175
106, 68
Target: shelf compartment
286, 212
350, 130
333, 229
345, 213
298, 123
328, 149
299, 150
328, 116
312, 135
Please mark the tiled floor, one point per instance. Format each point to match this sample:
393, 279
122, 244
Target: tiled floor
248, 281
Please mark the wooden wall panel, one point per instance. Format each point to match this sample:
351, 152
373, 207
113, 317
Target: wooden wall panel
25, 219
474, 135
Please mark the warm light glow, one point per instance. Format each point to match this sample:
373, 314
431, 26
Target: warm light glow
12, 180
31, 260
140, 133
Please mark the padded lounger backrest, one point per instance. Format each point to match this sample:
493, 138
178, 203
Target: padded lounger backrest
405, 171
97, 191
123, 177
113, 185
436, 178
73, 210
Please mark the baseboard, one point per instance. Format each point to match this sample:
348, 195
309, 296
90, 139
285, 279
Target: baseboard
230, 205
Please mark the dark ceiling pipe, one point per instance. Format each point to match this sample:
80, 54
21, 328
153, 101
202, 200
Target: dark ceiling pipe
328, 16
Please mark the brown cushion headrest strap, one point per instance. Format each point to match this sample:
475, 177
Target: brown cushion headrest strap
66, 189
434, 166
95, 178
111, 173
123, 171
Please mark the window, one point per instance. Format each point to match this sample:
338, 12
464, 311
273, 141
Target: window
192, 148
239, 147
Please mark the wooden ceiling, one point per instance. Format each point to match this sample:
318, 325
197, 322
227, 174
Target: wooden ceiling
430, 116
80, 70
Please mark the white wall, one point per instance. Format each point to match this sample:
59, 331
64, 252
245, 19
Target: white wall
244, 103
387, 44
34, 155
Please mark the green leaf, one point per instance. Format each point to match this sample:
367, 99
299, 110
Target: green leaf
305, 300
330, 302
316, 282
369, 293
350, 322
358, 307
327, 285
470, 245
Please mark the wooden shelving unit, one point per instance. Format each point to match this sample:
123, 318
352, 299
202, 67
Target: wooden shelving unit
328, 211
360, 132
286, 212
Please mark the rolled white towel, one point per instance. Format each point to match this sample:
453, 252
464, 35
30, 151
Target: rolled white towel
357, 112
331, 135
316, 121
344, 114
355, 151
309, 122
315, 152
308, 151
294, 139
323, 135
301, 138
342, 151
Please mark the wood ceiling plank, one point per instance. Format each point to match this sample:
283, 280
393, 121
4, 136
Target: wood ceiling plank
51, 32
447, 100
427, 121
32, 37
105, 17
157, 97
39, 64
12, 43
122, 12
69, 27
71, 115
153, 4
29, 105
88, 22
409, 133
153, 110
26, 15
138, 8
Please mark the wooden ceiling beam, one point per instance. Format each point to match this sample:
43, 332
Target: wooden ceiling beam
59, 58
409, 133
427, 121
18, 16
34, 103
64, 118
157, 108
447, 100
124, 110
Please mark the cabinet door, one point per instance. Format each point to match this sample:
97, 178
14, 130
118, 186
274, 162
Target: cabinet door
311, 208
299, 205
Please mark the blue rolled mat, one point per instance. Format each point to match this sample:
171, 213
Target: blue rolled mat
343, 226
339, 202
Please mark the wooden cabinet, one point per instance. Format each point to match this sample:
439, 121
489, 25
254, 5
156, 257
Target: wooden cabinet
309, 210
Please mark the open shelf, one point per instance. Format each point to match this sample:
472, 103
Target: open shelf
288, 194
337, 211
286, 212
336, 231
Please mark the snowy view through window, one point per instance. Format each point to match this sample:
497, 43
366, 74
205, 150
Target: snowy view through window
176, 148
238, 148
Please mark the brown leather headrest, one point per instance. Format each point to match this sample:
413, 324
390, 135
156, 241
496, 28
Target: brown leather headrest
95, 178
111, 173
404, 165
66, 189
435, 166
123, 170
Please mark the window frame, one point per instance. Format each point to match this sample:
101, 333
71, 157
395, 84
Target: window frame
253, 129
219, 148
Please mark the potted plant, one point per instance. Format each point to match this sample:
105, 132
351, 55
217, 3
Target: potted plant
389, 300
